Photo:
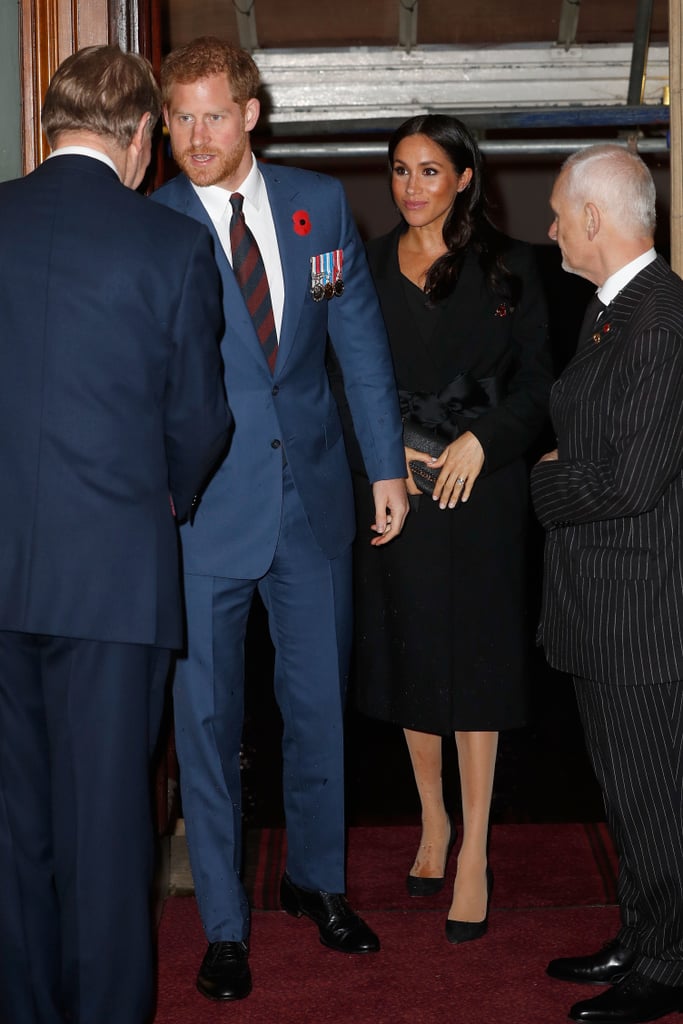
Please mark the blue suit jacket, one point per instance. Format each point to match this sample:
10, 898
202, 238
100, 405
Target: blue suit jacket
235, 531
111, 397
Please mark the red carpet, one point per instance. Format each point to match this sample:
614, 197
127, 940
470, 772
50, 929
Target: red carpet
535, 866
553, 895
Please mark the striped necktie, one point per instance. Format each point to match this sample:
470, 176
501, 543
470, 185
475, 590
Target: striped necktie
251, 277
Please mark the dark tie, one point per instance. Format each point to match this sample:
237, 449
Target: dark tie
251, 277
593, 310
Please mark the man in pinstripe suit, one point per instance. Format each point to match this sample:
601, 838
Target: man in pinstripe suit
611, 500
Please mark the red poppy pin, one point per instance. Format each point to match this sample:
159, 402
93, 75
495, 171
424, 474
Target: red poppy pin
301, 222
502, 310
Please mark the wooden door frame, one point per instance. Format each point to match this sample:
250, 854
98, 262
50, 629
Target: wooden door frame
51, 30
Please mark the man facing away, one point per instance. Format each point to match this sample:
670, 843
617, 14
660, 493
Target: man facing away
611, 499
277, 517
112, 411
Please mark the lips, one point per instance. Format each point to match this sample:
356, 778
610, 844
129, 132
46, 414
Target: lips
202, 158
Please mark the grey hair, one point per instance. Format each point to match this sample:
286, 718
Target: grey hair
617, 181
100, 89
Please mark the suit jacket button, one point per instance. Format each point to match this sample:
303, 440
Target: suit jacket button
275, 443
275, 389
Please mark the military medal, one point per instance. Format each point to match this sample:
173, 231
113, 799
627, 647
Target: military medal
326, 275
317, 286
338, 263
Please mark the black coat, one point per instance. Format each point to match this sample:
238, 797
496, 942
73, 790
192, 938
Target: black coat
480, 332
440, 611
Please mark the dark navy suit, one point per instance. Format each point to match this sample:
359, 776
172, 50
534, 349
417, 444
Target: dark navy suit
111, 403
284, 527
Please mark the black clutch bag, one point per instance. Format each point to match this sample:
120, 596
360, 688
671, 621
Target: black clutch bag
431, 422
423, 439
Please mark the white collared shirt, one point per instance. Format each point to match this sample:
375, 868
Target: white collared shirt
618, 281
259, 217
96, 154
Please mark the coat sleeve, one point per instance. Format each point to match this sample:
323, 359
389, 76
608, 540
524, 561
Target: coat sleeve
197, 419
640, 452
507, 431
359, 338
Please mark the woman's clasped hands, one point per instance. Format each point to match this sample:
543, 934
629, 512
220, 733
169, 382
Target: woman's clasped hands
460, 463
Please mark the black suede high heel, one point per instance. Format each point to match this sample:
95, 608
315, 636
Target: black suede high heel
430, 886
465, 931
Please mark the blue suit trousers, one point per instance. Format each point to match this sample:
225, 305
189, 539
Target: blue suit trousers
308, 600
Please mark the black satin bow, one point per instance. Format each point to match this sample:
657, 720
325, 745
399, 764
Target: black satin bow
464, 396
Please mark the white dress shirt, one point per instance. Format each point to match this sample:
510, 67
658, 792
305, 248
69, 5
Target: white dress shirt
96, 154
618, 281
259, 217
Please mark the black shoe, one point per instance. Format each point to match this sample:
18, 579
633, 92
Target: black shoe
465, 931
339, 927
608, 965
632, 1000
417, 886
225, 973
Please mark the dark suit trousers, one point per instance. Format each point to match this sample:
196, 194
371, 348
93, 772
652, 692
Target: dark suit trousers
78, 720
634, 736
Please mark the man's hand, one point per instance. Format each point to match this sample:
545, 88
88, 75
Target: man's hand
391, 509
550, 456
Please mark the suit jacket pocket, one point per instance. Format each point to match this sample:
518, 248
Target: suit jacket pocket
614, 563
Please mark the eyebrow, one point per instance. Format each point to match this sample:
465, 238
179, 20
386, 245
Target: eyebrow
421, 163
183, 110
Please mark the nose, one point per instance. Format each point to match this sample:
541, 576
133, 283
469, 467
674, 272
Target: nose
199, 132
552, 231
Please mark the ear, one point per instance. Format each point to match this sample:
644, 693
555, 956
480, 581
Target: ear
164, 113
140, 133
465, 179
592, 220
137, 156
252, 109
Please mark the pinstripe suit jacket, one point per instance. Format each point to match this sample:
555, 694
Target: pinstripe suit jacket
612, 504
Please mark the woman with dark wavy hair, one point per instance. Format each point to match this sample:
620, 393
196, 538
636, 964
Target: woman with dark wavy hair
441, 634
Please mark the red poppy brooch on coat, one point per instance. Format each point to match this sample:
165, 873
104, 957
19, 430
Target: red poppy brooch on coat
301, 222
502, 310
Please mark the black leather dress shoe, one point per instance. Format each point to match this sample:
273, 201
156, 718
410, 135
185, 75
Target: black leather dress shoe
632, 1000
339, 927
225, 973
610, 964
